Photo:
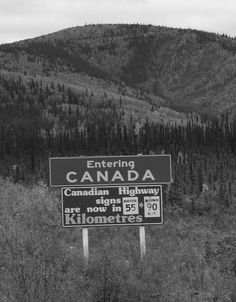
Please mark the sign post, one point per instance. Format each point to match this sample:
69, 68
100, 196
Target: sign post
85, 246
142, 243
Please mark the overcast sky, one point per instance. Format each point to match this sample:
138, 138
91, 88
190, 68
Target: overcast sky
21, 19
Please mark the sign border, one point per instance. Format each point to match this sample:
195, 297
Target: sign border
113, 224
109, 156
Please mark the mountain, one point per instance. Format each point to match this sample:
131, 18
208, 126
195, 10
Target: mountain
184, 70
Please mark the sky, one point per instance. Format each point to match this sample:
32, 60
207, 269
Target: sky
22, 19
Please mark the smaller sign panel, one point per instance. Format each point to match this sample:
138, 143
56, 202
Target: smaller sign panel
112, 205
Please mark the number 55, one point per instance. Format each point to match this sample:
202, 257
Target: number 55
130, 207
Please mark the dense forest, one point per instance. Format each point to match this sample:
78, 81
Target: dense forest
55, 104
37, 124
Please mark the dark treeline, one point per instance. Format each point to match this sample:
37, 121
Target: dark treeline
39, 120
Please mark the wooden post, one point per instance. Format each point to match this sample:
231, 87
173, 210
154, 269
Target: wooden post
142, 243
85, 246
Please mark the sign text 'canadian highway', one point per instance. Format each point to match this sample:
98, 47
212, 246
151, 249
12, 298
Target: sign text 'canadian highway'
112, 205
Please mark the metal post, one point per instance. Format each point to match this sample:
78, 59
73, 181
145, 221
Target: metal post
142, 243
85, 246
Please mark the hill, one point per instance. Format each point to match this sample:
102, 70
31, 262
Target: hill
116, 89
186, 70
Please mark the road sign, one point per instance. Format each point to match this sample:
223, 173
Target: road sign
110, 170
112, 205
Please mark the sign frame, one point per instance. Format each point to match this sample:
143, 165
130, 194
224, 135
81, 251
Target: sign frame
114, 224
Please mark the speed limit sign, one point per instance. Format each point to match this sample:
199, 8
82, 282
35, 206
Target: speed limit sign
152, 206
130, 205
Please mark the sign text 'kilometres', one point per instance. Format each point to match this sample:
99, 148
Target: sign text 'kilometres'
110, 170
112, 205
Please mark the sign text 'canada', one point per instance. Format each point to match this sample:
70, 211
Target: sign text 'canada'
110, 170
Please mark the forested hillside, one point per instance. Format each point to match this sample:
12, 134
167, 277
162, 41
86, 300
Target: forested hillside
189, 69
119, 90
41, 120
